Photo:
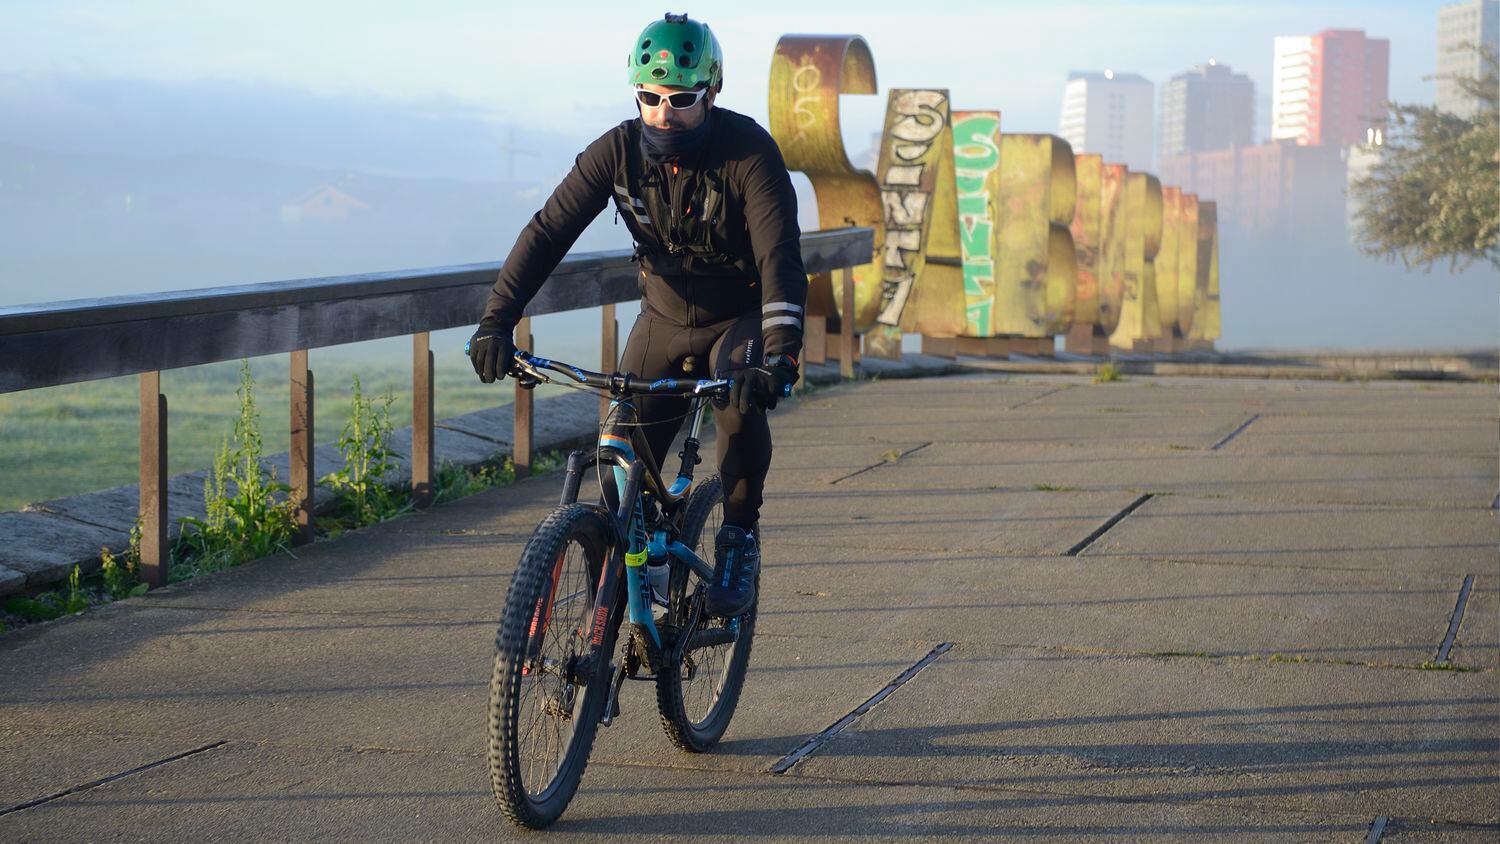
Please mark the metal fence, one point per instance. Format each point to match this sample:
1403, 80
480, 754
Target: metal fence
88, 339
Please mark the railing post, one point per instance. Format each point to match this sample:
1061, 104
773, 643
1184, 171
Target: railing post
421, 420
300, 454
815, 339
521, 450
609, 350
155, 553
846, 324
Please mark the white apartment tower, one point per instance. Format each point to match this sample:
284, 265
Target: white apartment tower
1291, 87
1111, 114
1461, 27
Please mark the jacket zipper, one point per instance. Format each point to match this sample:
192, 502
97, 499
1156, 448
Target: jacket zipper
674, 193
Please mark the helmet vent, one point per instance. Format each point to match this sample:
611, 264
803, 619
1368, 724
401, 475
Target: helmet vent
645, 58
684, 61
659, 72
646, 45
687, 46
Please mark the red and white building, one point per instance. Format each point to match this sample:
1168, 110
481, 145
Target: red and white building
1330, 88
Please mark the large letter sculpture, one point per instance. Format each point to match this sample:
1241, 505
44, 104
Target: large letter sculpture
921, 257
1166, 269
1062, 261
1037, 191
1111, 247
1139, 320
1188, 296
976, 154
1085, 228
1206, 323
808, 73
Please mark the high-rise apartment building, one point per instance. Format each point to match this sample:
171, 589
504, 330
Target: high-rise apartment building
1462, 28
1206, 107
1329, 88
1109, 113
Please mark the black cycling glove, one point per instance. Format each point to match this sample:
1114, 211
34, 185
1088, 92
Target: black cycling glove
490, 350
762, 387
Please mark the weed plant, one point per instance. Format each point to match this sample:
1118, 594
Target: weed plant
1108, 373
247, 512
364, 484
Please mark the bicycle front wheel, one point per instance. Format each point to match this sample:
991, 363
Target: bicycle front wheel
697, 695
549, 684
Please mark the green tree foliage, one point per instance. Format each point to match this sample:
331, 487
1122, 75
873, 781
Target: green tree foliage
1435, 194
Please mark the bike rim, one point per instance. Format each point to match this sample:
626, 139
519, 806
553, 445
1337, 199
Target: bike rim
709, 666
550, 694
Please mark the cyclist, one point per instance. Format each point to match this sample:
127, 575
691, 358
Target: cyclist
710, 206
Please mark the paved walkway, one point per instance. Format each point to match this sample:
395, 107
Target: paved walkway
1238, 657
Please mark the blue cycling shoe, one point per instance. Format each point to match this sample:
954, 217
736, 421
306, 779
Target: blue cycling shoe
736, 563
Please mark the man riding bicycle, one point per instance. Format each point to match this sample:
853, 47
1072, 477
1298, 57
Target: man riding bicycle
710, 206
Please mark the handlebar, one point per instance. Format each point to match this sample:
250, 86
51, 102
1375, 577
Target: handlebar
528, 372
526, 367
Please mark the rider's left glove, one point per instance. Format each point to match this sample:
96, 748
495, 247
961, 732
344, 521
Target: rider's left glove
490, 350
762, 387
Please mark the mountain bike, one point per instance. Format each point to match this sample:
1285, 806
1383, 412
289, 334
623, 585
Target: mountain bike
638, 559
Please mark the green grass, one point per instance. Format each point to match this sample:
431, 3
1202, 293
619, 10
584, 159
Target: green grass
1108, 373
85, 437
1053, 488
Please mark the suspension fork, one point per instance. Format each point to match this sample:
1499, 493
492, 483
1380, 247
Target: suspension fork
607, 595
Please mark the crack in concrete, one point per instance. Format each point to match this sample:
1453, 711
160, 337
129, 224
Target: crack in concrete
1104, 528
1236, 432
58, 795
1456, 620
812, 745
1035, 399
895, 459
72, 518
469, 433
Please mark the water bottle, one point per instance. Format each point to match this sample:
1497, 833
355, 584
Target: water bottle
657, 574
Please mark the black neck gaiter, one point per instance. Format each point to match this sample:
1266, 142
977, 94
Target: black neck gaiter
662, 145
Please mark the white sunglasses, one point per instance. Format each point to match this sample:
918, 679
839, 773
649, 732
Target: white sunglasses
679, 101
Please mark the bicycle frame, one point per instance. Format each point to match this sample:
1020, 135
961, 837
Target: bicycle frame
636, 475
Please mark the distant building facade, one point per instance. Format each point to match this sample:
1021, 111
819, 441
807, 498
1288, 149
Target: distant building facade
1462, 28
1207, 107
1278, 190
1329, 88
1111, 114
1360, 160
325, 203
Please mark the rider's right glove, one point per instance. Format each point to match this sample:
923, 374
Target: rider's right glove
760, 388
490, 350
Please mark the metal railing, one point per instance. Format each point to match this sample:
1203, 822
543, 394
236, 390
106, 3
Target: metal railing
56, 343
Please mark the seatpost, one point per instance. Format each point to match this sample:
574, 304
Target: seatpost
689, 453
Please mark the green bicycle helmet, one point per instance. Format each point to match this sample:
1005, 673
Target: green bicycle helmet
677, 51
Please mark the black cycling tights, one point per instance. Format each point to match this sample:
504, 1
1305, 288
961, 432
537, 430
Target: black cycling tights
659, 349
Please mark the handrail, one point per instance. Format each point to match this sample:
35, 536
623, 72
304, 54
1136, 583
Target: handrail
87, 339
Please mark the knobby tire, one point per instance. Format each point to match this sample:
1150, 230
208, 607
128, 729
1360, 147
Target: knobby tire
718, 671
573, 542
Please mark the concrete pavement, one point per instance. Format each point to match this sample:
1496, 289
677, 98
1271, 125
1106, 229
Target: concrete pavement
1241, 656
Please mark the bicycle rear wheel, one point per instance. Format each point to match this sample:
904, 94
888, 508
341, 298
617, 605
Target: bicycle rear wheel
546, 695
697, 695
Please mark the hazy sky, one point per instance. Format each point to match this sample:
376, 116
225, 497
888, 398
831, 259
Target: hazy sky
561, 64
434, 89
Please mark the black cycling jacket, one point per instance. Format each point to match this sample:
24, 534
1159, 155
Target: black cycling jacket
758, 195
